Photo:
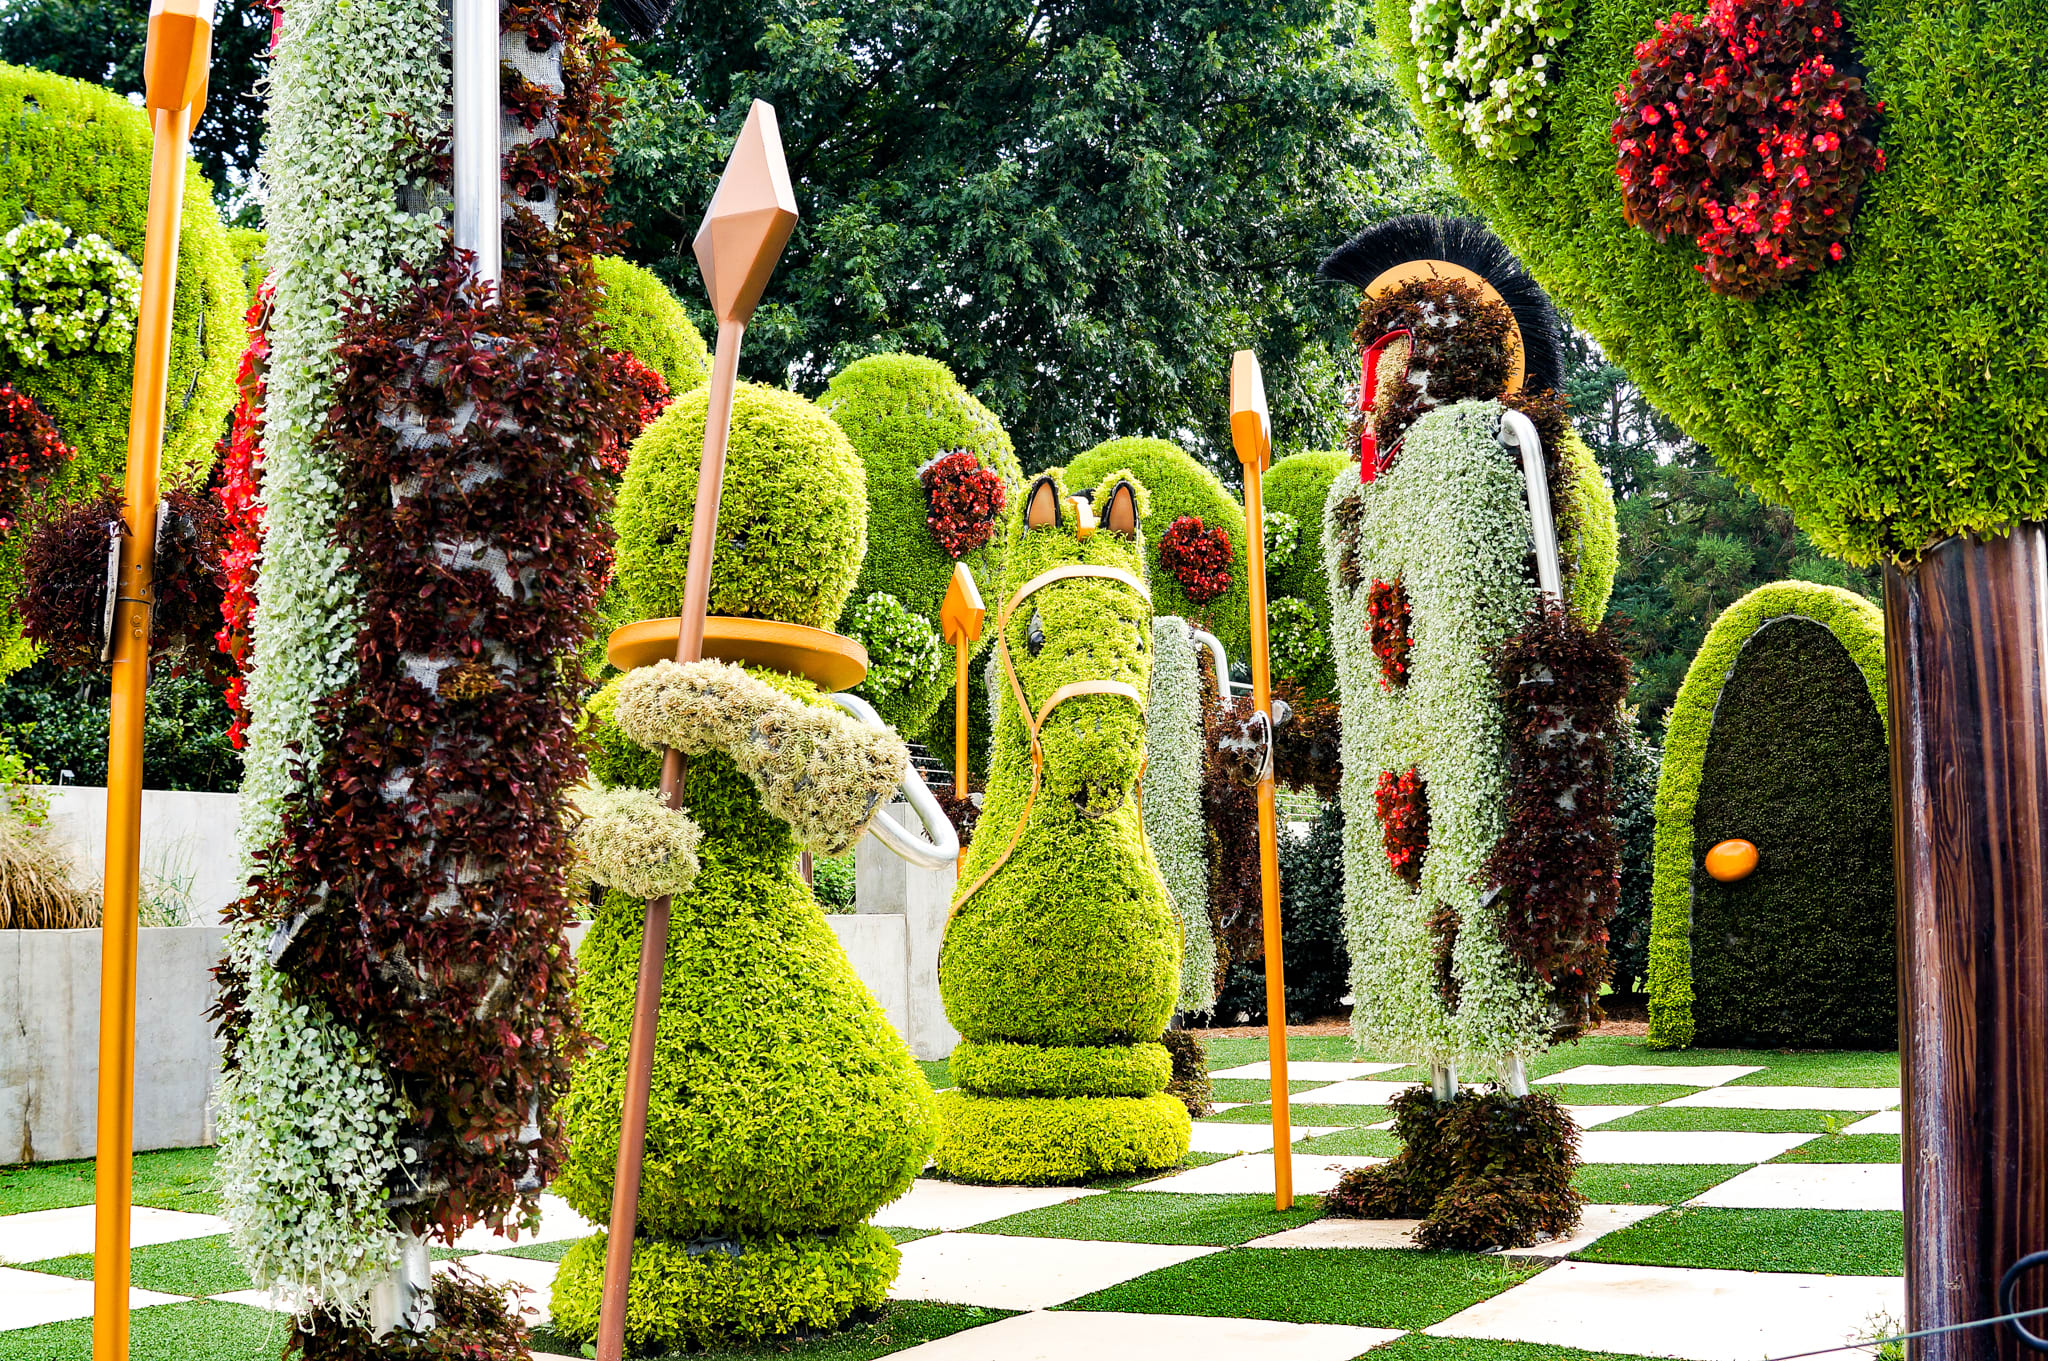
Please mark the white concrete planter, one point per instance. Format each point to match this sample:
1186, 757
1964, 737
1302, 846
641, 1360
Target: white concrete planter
190, 864
49, 1040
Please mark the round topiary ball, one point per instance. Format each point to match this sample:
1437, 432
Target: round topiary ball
78, 156
792, 520
644, 319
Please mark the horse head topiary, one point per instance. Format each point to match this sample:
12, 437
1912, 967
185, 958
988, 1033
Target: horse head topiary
1062, 960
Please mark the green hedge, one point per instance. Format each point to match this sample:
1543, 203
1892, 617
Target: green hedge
1887, 400
1042, 1141
1298, 486
792, 521
1779, 742
997, 1068
901, 411
1181, 486
646, 321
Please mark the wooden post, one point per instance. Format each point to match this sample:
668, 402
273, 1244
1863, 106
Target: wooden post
960, 617
1967, 661
180, 46
1251, 431
752, 213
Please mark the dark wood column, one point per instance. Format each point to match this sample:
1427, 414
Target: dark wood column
1967, 645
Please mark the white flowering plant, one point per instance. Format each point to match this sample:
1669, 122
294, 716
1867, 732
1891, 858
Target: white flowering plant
1296, 643
62, 294
1172, 803
1488, 64
905, 653
1283, 537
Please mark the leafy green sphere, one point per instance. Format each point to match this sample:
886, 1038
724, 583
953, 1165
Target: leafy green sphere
644, 319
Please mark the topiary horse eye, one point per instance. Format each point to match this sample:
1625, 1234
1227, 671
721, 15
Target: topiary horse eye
1034, 638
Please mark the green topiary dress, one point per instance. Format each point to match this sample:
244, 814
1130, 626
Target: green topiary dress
1061, 971
785, 1109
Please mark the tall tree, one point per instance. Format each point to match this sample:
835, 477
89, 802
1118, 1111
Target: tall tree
1082, 206
102, 41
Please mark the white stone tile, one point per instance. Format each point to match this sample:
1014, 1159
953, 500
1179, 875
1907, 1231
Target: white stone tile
1678, 1311
1307, 1070
1351, 1094
1811, 1186
1252, 1174
30, 1298
1000, 1272
557, 1221
1089, 1336
930, 1204
42, 1234
1884, 1122
538, 1278
1586, 1117
1793, 1098
1223, 1137
1218, 1107
1684, 1146
1651, 1074
1595, 1221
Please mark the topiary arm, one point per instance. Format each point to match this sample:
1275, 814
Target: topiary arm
631, 841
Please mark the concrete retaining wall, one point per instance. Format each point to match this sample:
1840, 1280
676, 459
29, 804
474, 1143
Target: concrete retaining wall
190, 867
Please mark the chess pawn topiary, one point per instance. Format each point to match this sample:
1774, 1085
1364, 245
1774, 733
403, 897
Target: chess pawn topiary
1062, 960
785, 1109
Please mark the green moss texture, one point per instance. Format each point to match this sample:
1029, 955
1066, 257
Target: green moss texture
1886, 399
80, 155
1072, 943
901, 411
1588, 540
1795, 768
1180, 486
792, 521
645, 320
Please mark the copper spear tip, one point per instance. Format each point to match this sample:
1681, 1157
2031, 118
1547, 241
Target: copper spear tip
961, 613
1251, 429
752, 213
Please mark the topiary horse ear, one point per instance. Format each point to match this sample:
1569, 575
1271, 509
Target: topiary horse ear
1120, 512
1042, 505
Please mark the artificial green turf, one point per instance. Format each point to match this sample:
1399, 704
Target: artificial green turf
204, 1330
1232, 1051
1845, 1148
1159, 1217
1649, 1184
1299, 1114
1837, 1068
1423, 1347
174, 1179
1611, 1094
1732, 1118
1364, 1143
938, 1072
1831, 1068
1255, 1088
1193, 1160
1833, 1242
902, 1325
1369, 1287
191, 1266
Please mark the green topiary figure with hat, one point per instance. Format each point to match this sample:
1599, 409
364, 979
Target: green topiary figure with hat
785, 1109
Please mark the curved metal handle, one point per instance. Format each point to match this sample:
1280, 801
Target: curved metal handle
943, 849
1518, 432
1222, 660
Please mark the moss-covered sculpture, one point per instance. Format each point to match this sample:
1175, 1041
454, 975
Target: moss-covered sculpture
785, 1109
903, 413
1062, 960
1777, 737
644, 319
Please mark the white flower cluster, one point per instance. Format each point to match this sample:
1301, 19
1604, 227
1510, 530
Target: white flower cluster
62, 294
1488, 63
1172, 805
1295, 641
1283, 537
905, 653
1449, 521
632, 841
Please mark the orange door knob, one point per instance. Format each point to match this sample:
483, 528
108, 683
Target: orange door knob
1731, 860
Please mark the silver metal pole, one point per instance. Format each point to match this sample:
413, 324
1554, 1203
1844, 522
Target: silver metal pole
1519, 432
476, 124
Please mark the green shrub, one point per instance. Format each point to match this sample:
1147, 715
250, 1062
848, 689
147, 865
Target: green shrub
684, 1297
1804, 395
1034, 1141
1805, 715
184, 730
247, 244
998, 1068
615, 759
1179, 486
1318, 963
1588, 541
79, 154
901, 411
907, 660
832, 881
646, 321
1636, 764
792, 521
1297, 486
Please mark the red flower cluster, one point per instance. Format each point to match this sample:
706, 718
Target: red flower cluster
1402, 802
237, 483
643, 394
1197, 557
31, 451
1387, 611
962, 500
1746, 135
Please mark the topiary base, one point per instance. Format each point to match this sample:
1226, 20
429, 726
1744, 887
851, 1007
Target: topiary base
1053, 1141
715, 1293
998, 1068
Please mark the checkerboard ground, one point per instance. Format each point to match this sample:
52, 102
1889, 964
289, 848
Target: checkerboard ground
1731, 1216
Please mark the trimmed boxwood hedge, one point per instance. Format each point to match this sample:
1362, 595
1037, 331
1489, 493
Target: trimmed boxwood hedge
644, 319
1768, 741
997, 1068
1036, 1142
1885, 399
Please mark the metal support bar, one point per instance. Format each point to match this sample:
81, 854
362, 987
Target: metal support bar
944, 847
476, 175
1518, 432
1222, 660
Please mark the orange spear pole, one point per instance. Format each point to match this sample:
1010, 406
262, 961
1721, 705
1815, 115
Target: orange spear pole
174, 91
752, 213
1251, 431
960, 617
